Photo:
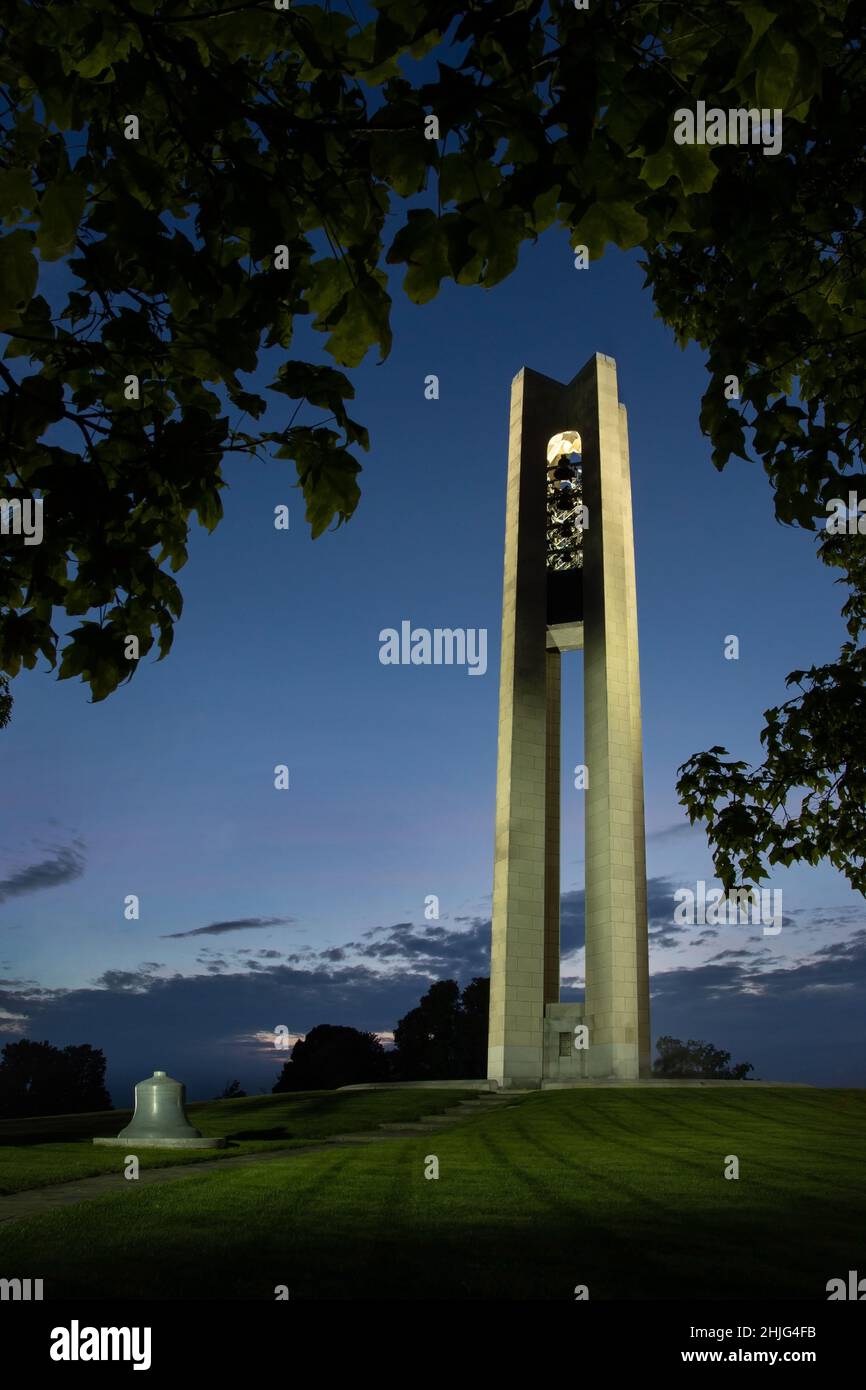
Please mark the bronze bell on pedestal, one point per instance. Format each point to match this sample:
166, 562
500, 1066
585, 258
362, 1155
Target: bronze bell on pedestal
160, 1111
160, 1118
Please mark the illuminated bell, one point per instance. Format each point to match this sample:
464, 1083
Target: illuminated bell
159, 1111
160, 1118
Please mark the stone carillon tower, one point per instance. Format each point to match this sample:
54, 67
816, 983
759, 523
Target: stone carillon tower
569, 584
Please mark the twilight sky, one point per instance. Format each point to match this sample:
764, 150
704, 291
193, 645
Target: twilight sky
262, 907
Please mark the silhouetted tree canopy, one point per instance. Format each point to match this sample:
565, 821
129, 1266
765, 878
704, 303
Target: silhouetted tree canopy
39, 1079
231, 1091
697, 1060
272, 156
445, 1037
331, 1056
6, 702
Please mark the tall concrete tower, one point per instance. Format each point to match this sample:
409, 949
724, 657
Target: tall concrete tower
569, 584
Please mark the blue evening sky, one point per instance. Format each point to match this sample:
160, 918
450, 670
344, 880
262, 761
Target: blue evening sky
165, 790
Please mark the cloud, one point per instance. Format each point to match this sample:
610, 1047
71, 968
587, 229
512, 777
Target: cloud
65, 864
264, 1043
199, 1028
441, 951
10, 1024
129, 981
739, 955
835, 918
399, 926
660, 911
240, 924
800, 1022
797, 1020
680, 827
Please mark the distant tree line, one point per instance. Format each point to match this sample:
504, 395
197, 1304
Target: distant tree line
39, 1079
444, 1038
697, 1060
231, 1091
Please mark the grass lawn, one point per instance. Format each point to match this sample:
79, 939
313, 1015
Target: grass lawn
57, 1148
621, 1190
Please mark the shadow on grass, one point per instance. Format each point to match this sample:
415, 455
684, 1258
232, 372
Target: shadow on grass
63, 1129
279, 1132
618, 1252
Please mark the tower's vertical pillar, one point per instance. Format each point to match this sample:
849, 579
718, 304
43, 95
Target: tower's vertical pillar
617, 996
636, 760
516, 1037
552, 829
